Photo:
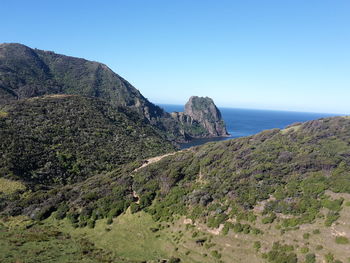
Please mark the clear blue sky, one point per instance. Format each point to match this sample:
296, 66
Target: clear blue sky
281, 54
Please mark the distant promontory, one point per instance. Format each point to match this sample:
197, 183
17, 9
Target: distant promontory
201, 119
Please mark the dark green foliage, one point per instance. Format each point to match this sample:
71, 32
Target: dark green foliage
281, 254
146, 200
91, 223
269, 219
304, 250
215, 254
257, 245
44, 212
214, 222
295, 166
60, 140
164, 209
227, 227
306, 235
316, 232
329, 257
109, 220
27, 73
342, 240
310, 258
134, 208
73, 217
334, 205
174, 260
61, 211
331, 217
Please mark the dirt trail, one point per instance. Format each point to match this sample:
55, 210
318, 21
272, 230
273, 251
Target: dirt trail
146, 163
155, 159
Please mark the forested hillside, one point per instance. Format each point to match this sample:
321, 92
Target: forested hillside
60, 139
27, 73
278, 196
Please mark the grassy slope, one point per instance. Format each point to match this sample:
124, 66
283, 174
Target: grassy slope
130, 239
23, 241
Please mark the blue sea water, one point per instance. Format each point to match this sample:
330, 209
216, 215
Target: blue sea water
245, 122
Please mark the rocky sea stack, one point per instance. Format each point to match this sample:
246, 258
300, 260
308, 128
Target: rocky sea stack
201, 119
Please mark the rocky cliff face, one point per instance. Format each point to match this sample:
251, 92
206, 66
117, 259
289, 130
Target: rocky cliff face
201, 118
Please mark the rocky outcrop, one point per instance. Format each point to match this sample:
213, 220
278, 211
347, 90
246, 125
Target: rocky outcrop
203, 110
201, 119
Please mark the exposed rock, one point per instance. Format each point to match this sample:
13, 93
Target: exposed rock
201, 118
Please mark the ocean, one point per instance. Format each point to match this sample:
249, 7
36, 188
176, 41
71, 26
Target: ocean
245, 122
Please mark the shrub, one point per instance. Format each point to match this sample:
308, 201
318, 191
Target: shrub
257, 245
174, 260
331, 218
154, 229
319, 247
304, 250
61, 211
269, 219
342, 240
316, 232
226, 228
134, 208
215, 254
73, 217
329, 257
237, 228
91, 223
334, 205
310, 258
306, 235
109, 220
44, 212
281, 254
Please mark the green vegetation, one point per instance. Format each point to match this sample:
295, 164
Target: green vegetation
60, 140
304, 250
310, 258
281, 254
27, 73
9, 186
215, 254
269, 196
289, 166
34, 243
3, 114
257, 245
342, 240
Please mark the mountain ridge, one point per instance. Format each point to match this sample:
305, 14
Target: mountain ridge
27, 72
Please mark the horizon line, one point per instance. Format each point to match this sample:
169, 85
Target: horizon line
260, 109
